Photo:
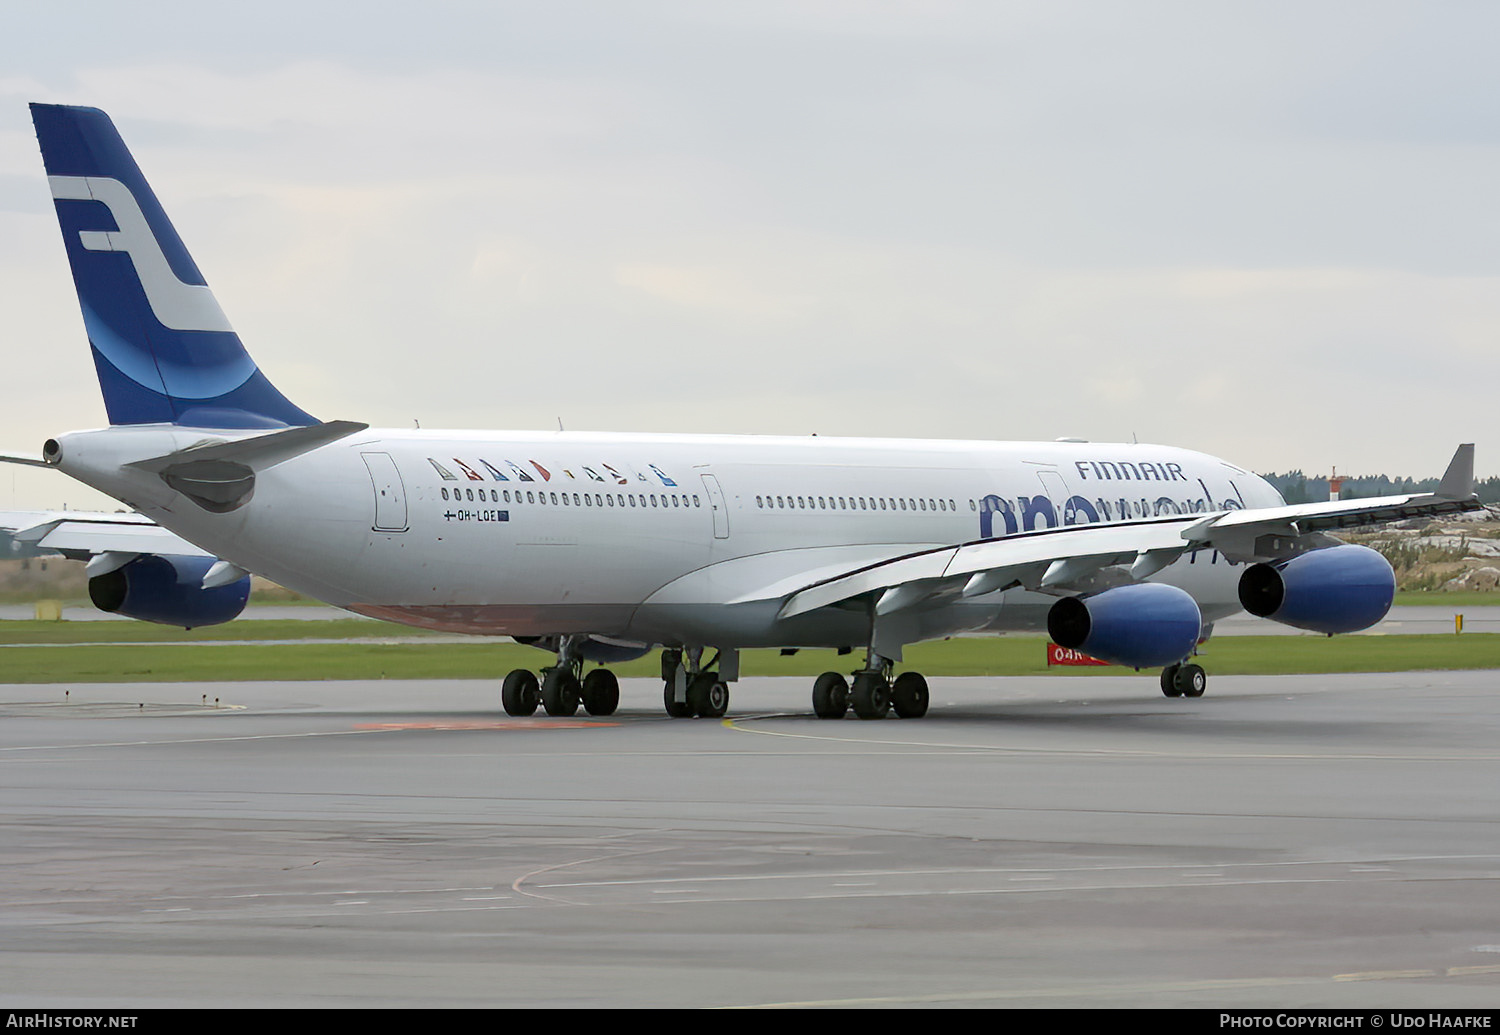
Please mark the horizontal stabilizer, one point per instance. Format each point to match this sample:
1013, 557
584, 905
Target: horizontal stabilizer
258, 452
29, 459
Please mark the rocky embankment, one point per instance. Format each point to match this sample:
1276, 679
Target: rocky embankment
1460, 553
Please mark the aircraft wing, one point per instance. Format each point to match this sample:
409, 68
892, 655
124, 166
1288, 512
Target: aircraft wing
1093, 557
85, 535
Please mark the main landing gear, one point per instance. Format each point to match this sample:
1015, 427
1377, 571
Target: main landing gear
560, 691
690, 688
1184, 680
872, 695
562, 687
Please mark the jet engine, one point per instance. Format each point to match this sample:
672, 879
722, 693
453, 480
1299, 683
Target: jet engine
1335, 590
168, 590
1143, 626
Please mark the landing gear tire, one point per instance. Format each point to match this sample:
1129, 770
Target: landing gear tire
1191, 680
1184, 680
600, 692
909, 695
830, 696
708, 696
520, 693
675, 709
560, 691
871, 695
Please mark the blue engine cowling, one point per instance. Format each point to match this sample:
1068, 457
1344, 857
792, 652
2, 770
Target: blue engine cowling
168, 590
1337, 590
1142, 626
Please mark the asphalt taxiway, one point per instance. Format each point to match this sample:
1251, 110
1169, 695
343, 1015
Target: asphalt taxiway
1281, 842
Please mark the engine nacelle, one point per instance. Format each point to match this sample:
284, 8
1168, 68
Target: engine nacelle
1143, 626
168, 590
1337, 590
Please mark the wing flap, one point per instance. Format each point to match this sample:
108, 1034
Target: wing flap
913, 568
1027, 558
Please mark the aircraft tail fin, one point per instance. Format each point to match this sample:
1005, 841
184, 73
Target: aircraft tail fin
162, 347
1458, 479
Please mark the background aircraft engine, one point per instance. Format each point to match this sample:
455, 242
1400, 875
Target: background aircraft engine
1337, 590
1142, 626
168, 590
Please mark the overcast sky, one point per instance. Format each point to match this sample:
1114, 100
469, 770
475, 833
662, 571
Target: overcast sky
1264, 230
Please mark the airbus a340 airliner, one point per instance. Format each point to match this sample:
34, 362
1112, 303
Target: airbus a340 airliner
600, 547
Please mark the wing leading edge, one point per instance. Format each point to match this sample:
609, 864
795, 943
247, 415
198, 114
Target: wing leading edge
1088, 558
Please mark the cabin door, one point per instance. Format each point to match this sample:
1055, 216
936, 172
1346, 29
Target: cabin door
716, 503
390, 493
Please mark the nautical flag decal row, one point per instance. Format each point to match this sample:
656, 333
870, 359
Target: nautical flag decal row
521, 474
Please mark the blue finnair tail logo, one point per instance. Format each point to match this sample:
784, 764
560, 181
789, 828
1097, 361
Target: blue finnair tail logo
163, 349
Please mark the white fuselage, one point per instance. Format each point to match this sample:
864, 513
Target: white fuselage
671, 539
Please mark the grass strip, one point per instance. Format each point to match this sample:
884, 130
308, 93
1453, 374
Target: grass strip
996, 656
147, 632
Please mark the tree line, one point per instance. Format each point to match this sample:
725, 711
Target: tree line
1296, 487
